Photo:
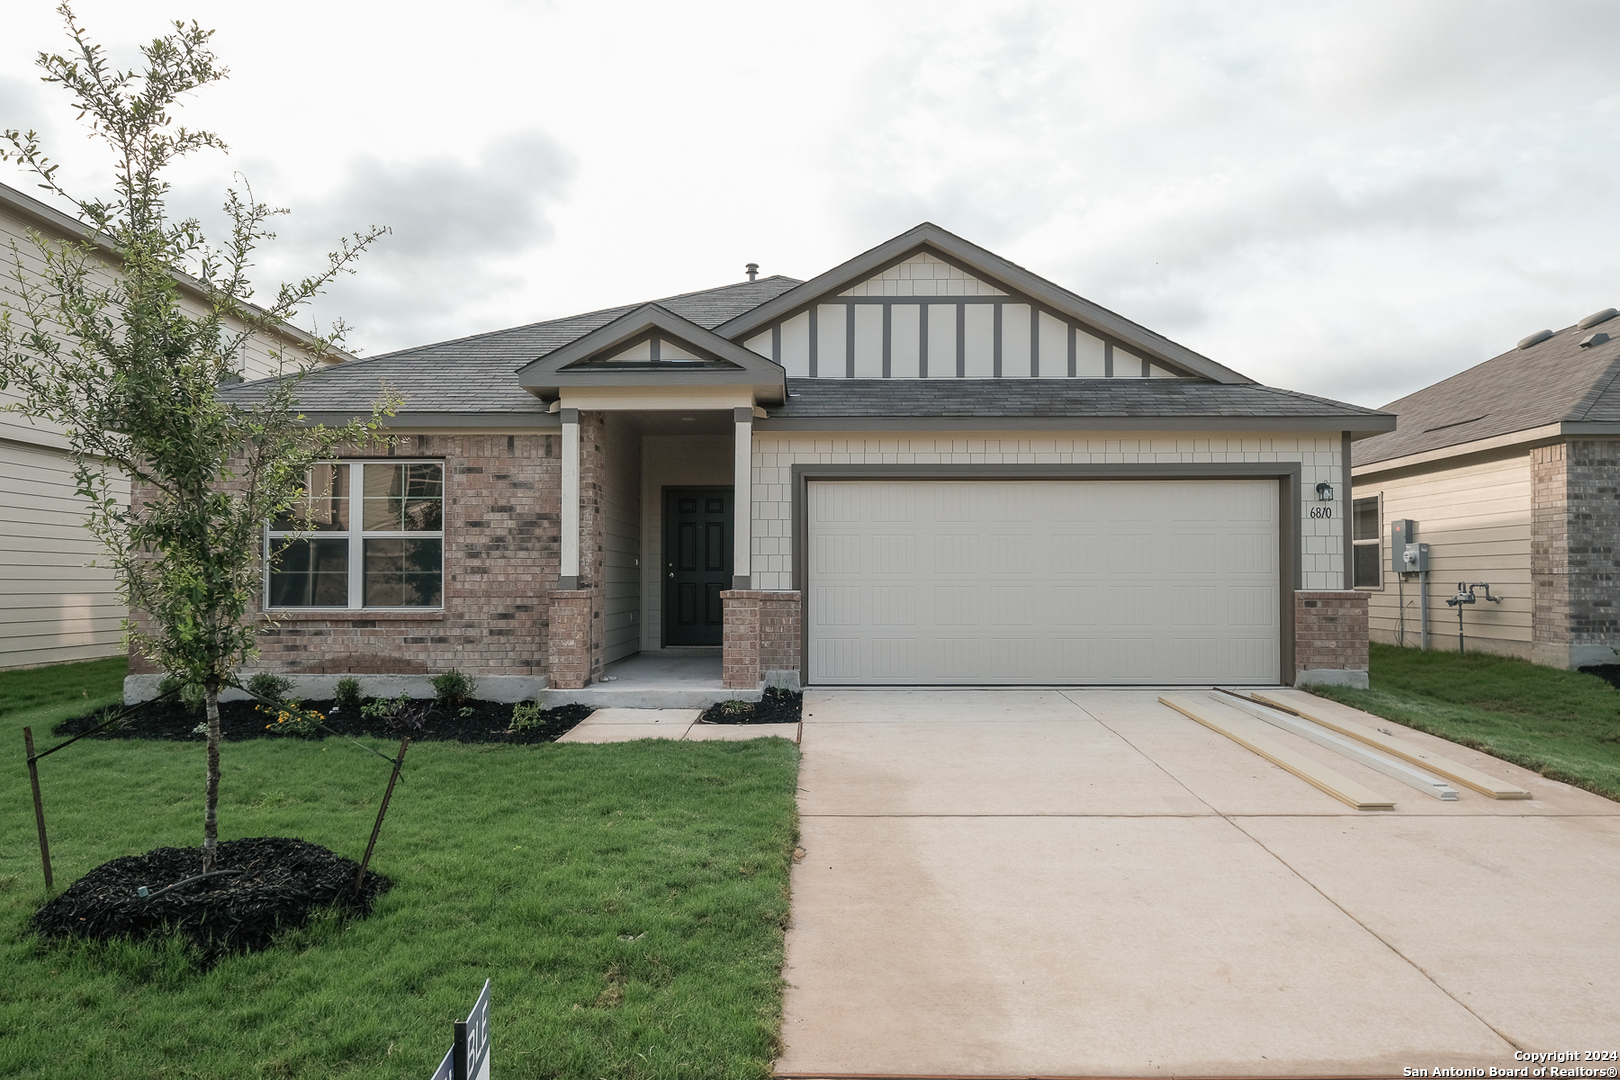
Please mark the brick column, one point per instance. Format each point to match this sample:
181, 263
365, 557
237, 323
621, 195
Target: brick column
1549, 555
1330, 638
739, 664
761, 639
569, 638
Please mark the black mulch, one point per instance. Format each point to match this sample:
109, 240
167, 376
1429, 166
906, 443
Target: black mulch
487, 722
1609, 673
776, 707
282, 884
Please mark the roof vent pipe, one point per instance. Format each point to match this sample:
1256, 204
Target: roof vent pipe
753, 272
1535, 339
1597, 317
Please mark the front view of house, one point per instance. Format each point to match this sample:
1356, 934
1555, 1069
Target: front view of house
926, 466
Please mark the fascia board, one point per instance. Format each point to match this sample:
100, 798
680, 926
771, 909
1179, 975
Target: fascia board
444, 421
51, 220
971, 257
1186, 425
1479, 446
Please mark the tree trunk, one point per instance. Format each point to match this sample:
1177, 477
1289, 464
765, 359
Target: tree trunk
211, 812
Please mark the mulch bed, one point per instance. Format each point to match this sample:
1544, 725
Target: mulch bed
487, 722
1609, 673
776, 707
282, 883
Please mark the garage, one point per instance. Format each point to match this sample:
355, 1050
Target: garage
1032, 582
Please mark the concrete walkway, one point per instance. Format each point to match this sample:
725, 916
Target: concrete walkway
628, 725
1035, 883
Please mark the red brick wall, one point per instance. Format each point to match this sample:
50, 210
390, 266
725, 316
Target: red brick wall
1330, 631
501, 561
574, 616
761, 635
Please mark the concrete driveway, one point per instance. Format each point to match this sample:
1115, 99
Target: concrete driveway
1035, 883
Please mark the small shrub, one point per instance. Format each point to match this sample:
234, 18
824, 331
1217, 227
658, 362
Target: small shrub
385, 709
453, 689
736, 707
348, 693
270, 687
399, 716
526, 715
191, 697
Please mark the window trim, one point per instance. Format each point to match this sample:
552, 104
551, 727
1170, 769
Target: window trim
1377, 541
356, 536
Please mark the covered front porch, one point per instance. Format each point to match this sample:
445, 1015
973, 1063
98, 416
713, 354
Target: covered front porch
656, 521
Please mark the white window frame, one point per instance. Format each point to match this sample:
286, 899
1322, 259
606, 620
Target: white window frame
1376, 542
357, 535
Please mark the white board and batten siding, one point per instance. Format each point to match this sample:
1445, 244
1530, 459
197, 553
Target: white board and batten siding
1044, 581
1475, 517
926, 319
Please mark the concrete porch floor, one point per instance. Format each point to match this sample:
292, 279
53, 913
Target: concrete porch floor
656, 679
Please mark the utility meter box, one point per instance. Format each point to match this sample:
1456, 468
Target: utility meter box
1415, 558
1402, 531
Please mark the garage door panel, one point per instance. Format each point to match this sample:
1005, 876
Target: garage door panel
1043, 582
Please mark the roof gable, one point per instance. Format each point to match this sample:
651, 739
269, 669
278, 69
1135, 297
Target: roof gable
979, 275
650, 346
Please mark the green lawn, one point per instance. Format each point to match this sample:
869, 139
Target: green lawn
628, 902
1563, 724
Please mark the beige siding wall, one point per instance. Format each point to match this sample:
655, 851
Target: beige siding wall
56, 607
621, 520
1475, 517
775, 454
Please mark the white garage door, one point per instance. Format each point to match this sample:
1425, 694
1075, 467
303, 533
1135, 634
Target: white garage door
1043, 582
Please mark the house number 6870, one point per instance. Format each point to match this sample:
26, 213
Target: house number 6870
1321, 511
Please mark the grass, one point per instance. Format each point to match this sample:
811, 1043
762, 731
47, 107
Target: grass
628, 902
1562, 724
43, 697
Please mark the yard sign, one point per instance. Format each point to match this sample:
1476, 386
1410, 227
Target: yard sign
468, 1059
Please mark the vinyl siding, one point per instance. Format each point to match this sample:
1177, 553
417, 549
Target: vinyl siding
57, 608
1475, 517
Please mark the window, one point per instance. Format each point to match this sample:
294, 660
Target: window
384, 519
1365, 530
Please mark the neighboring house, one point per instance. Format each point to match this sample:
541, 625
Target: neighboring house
925, 466
58, 607
1511, 472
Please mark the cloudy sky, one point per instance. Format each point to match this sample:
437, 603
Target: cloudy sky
1351, 199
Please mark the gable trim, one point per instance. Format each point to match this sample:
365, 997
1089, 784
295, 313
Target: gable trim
1005, 275
566, 365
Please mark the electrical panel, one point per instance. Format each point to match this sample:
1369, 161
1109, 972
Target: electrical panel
1402, 532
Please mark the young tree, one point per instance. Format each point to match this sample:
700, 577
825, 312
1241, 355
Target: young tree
102, 342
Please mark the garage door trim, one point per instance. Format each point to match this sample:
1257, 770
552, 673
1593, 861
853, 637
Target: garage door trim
1286, 473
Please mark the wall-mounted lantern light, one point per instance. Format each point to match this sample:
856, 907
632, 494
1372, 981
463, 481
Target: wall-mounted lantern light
1324, 492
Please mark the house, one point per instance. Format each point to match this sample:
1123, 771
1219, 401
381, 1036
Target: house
57, 606
924, 466
1511, 473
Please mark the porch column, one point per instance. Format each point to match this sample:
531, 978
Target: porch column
568, 572
742, 491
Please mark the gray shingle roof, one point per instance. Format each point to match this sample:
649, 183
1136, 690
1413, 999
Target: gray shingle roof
831, 398
479, 373
1550, 382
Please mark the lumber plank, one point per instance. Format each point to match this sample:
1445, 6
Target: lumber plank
1395, 769
1237, 728
1347, 721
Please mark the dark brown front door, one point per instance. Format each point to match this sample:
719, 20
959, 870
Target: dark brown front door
697, 563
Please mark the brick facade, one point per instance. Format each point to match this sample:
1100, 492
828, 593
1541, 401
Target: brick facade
1330, 638
762, 638
501, 556
574, 620
1575, 551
